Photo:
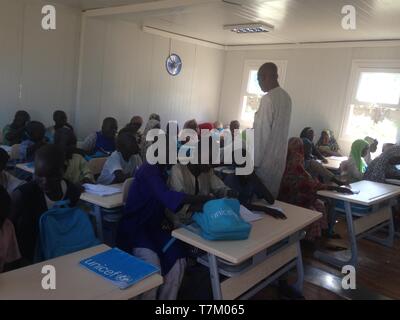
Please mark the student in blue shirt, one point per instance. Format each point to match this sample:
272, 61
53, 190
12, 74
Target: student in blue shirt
104, 140
141, 233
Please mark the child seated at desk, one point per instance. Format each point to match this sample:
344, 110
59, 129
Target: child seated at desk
308, 133
104, 140
353, 169
315, 168
36, 132
299, 188
14, 133
327, 145
33, 199
60, 122
9, 251
373, 147
123, 163
140, 230
7, 181
76, 167
384, 167
195, 179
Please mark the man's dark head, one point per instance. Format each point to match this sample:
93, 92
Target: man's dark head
127, 145
21, 118
36, 131
60, 118
110, 127
268, 76
49, 167
235, 125
4, 157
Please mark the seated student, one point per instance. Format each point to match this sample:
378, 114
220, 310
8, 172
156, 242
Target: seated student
102, 141
151, 125
60, 121
36, 139
315, 168
308, 133
353, 169
373, 147
195, 179
14, 133
218, 126
300, 189
384, 166
140, 230
327, 145
9, 251
133, 127
33, 199
155, 116
7, 181
76, 167
123, 163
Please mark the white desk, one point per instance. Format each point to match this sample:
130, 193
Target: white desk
265, 261
334, 163
6, 148
73, 282
98, 202
396, 182
380, 197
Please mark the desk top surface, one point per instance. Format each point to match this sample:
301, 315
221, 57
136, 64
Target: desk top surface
264, 234
72, 281
334, 162
107, 202
370, 193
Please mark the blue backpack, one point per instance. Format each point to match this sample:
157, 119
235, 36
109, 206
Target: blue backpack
64, 230
221, 220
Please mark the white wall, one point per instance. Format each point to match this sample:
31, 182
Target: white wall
123, 74
44, 64
317, 80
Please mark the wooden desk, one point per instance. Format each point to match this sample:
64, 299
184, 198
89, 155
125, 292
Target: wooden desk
380, 198
264, 234
98, 202
72, 282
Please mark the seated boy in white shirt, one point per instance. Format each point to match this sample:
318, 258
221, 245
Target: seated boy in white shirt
123, 163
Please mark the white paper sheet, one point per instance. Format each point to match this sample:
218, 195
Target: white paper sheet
249, 216
100, 190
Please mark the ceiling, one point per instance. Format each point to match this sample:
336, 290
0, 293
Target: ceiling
295, 21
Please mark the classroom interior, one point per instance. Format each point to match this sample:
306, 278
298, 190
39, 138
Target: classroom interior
107, 58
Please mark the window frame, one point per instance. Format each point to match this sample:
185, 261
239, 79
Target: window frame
250, 65
358, 67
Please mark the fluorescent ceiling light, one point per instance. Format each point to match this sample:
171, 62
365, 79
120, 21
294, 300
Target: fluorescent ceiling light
249, 28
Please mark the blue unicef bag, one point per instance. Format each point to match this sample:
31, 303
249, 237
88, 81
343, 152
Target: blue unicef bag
221, 220
64, 230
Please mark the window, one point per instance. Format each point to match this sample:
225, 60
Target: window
251, 91
374, 102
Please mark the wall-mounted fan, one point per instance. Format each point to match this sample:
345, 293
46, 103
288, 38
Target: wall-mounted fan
174, 64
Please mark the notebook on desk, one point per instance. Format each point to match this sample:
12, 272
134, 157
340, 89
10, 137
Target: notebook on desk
100, 190
120, 268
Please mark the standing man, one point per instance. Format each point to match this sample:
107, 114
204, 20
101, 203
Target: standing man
271, 129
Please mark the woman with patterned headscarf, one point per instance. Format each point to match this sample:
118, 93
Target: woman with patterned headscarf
299, 188
353, 170
384, 167
328, 145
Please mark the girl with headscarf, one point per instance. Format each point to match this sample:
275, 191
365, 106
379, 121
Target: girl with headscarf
353, 169
373, 147
308, 133
299, 188
384, 167
328, 145
151, 124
